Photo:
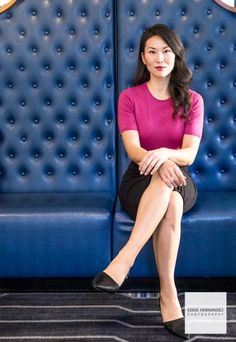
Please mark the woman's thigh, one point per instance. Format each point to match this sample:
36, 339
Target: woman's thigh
133, 186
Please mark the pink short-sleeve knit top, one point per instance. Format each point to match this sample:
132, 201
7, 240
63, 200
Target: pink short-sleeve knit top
139, 110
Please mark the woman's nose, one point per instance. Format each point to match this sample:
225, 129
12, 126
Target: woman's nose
159, 58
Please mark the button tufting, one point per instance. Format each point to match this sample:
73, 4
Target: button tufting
209, 47
11, 120
48, 102
49, 128
23, 138
12, 154
23, 171
222, 29
34, 49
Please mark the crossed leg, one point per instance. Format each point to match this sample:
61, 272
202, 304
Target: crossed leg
166, 240
151, 210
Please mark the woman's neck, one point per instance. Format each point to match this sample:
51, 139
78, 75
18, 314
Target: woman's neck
159, 88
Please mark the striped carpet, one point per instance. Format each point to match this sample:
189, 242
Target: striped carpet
124, 317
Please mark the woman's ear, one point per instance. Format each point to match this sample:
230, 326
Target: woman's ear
143, 58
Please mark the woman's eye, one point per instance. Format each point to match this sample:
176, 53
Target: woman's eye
167, 51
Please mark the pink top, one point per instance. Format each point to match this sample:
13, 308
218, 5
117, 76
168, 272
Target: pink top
139, 110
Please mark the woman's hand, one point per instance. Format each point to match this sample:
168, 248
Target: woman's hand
153, 160
171, 174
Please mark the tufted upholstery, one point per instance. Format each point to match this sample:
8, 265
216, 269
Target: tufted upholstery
57, 136
56, 101
210, 42
63, 64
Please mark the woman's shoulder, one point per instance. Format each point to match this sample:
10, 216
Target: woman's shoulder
134, 91
195, 96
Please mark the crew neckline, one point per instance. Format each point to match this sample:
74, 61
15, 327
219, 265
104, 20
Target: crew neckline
155, 98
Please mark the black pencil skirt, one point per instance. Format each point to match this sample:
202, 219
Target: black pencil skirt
133, 185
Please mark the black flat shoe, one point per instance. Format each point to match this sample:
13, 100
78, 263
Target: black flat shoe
104, 283
177, 327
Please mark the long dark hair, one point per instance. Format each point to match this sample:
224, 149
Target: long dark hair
180, 76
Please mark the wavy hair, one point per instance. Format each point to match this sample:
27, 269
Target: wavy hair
180, 76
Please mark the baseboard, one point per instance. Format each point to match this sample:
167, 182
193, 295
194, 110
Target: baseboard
225, 284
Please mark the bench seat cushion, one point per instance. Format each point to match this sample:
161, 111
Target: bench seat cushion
55, 235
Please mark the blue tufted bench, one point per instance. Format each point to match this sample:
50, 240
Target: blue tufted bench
208, 240
62, 65
57, 135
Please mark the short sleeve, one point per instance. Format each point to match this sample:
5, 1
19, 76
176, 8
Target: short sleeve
126, 112
194, 124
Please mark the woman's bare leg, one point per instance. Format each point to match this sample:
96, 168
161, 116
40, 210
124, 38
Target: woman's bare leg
166, 240
152, 207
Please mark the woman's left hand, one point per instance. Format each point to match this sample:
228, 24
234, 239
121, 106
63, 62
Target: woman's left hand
153, 160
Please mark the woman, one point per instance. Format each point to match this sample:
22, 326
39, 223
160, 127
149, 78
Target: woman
160, 120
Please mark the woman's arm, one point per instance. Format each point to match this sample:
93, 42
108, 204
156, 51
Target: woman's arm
171, 173
132, 146
187, 154
182, 157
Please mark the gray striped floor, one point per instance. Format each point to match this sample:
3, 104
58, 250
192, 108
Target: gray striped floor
124, 317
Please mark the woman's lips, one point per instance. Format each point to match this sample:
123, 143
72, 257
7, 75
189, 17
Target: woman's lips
160, 68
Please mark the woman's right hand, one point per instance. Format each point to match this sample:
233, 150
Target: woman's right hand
171, 174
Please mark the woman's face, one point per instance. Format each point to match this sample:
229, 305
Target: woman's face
158, 58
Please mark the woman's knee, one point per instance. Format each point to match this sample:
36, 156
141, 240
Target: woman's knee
174, 211
158, 181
